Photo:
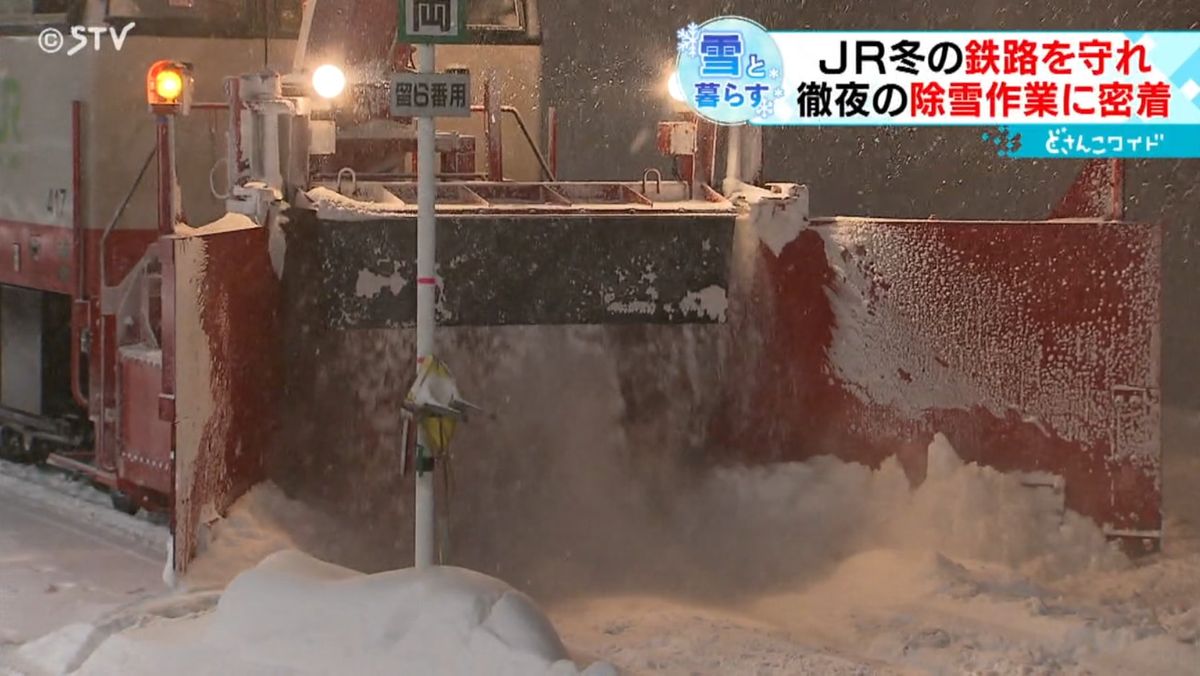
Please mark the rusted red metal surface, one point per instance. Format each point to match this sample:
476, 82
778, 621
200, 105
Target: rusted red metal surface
145, 440
123, 250
37, 256
42, 256
228, 372
1097, 192
1032, 345
167, 409
80, 308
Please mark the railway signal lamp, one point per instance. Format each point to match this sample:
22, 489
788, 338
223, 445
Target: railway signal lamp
328, 81
169, 88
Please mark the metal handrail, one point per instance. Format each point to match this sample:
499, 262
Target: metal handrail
532, 146
512, 110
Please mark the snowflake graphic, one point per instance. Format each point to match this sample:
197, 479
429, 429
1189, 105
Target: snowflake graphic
689, 40
765, 110
1007, 143
774, 74
779, 93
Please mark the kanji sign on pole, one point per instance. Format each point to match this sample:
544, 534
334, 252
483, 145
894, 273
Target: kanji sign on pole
431, 95
433, 21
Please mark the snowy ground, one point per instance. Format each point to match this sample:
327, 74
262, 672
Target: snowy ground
980, 595
969, 574
64, 558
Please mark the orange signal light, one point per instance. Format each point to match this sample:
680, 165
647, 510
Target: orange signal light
168, 87
168, 84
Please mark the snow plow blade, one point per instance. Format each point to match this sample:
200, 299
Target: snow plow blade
524, 269
603, 347
1034, 346
314, 325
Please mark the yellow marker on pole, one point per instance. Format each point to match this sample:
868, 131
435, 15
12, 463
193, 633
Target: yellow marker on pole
436, 403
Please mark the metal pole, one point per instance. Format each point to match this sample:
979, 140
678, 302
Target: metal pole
166, 175
426, 286
80, 306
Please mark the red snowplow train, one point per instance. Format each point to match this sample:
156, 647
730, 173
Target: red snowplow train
214, 291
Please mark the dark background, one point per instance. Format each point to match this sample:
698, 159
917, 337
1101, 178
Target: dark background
605, 62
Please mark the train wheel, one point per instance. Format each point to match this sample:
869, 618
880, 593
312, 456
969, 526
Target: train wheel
123, 502
39, 451
12, 447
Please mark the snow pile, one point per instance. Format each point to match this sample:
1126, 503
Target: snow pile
777, 216
971, 572
297, 615
294, 614
926, 610
667, 637
260, 523
228, 223
805, 518
1181, 499
975, 512
846, 569
903, 608
332, 205
58, 652
815, 567
64, 650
